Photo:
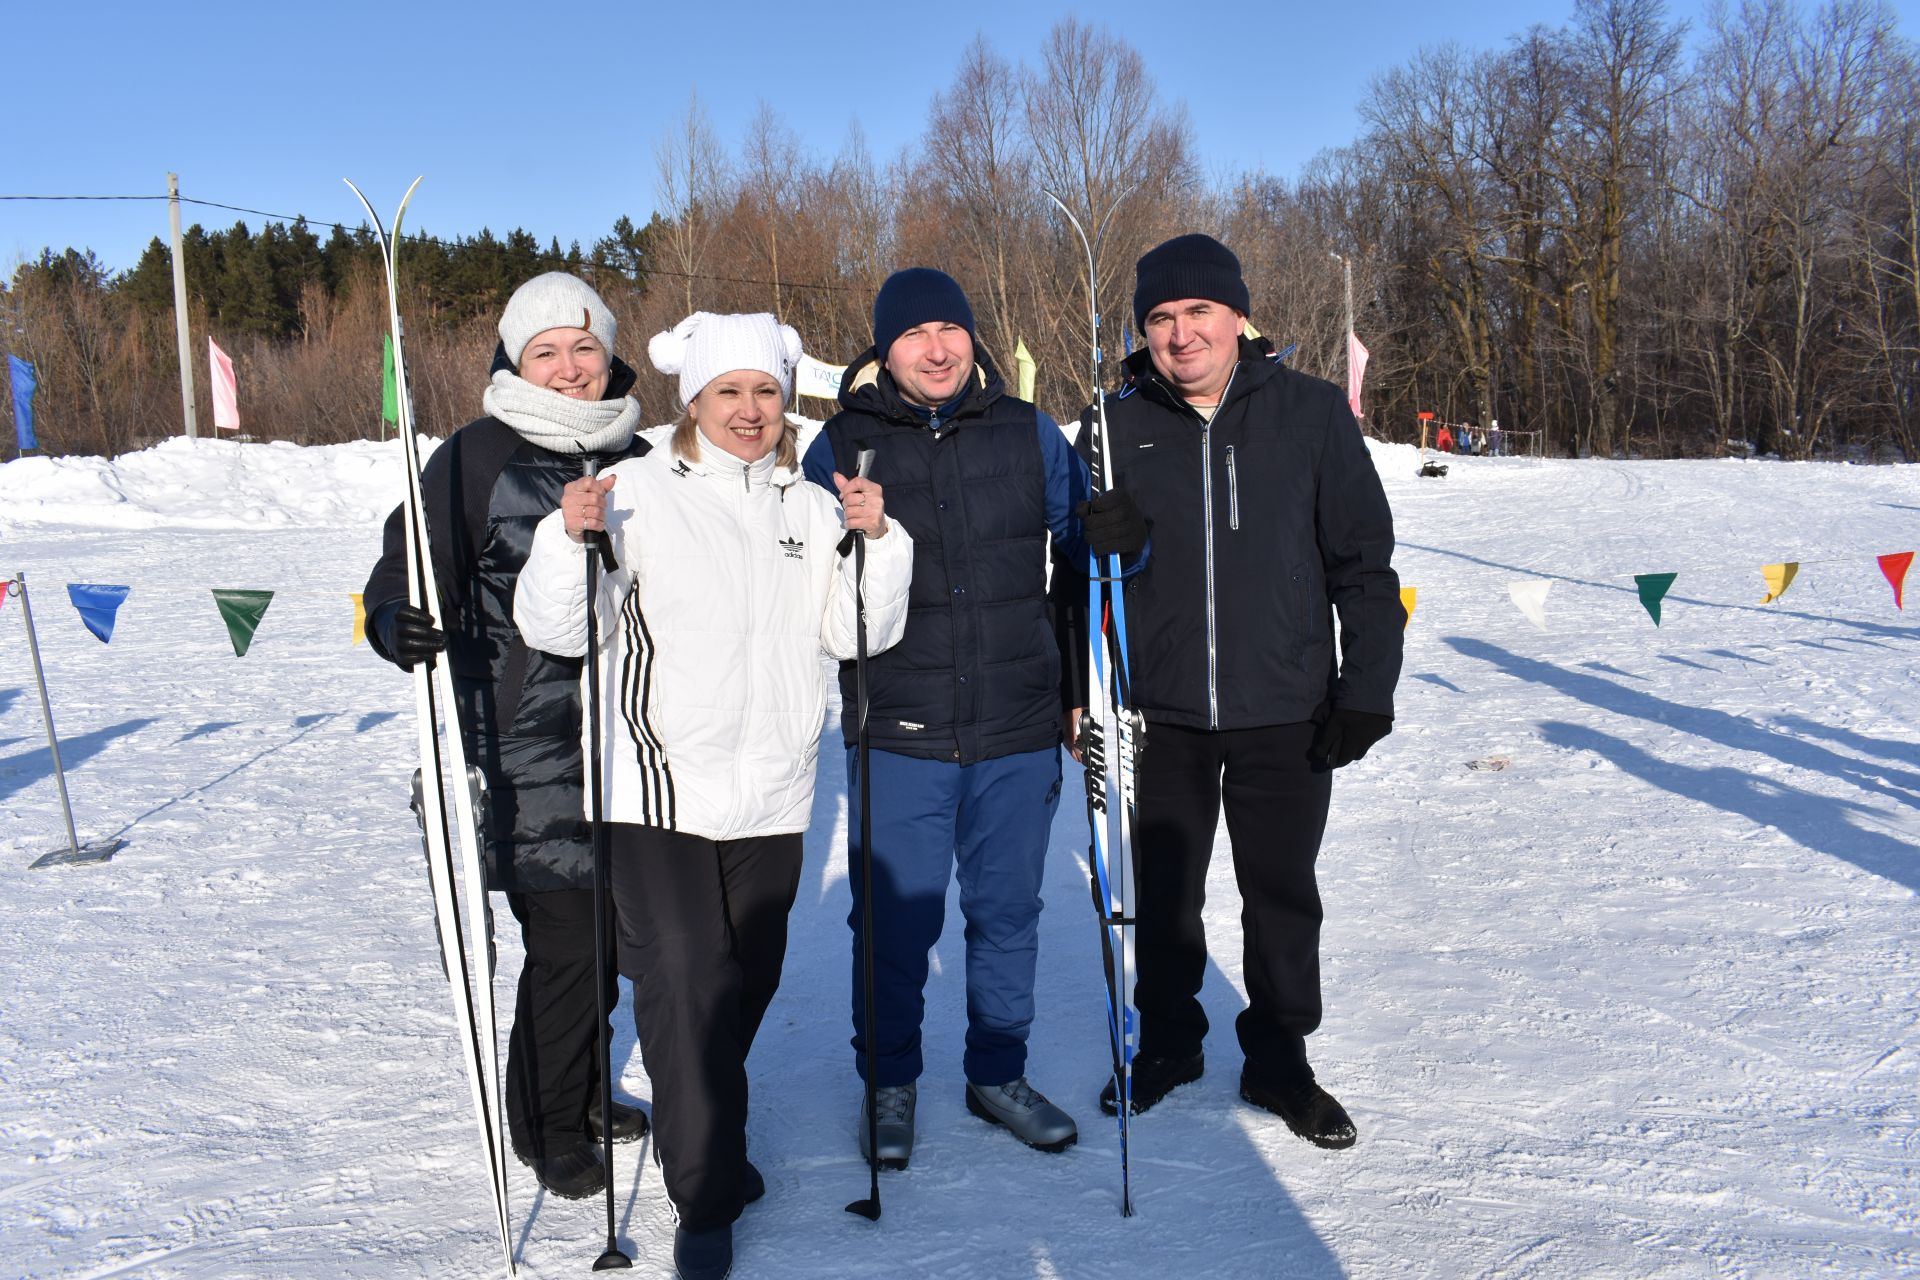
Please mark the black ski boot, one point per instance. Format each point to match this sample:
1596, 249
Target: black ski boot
1153, 1078
1310, 1111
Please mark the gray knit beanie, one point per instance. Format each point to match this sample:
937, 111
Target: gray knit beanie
555, 300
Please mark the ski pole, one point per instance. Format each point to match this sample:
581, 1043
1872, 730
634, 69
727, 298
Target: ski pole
611, 1259
870, 1207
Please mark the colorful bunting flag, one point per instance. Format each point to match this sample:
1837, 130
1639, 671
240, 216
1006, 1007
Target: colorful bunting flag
226, 389
242, 611
1653, 589
23, 384
1023, 361
1530, 597
1895, 565
359, 616
97, 604
1779, 577
6, 589
389, 384
1408, 596
1356, 371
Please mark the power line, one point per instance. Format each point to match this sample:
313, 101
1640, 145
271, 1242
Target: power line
537, 255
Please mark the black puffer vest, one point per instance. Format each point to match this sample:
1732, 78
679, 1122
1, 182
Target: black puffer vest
977, 675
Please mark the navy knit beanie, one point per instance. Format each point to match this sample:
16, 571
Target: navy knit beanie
915, 296
1194, 266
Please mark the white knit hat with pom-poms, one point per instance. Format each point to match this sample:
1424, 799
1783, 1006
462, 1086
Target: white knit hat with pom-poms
704, 346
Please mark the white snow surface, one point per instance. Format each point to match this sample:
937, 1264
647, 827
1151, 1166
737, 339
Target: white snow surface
1642, 1002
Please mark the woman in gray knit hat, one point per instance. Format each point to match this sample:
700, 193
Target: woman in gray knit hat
557, 401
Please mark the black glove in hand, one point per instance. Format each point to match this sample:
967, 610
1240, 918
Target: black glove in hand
1345, 735
410, 636
1113, 525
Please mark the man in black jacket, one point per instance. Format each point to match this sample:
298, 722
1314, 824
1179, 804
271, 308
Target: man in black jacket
1266, 518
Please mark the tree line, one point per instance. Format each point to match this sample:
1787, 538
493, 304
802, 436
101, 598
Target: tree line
1632, 242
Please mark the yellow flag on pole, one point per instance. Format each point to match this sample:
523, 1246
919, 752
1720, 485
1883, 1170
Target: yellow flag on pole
1023, 362
1779, 577
359, 616
1408, 596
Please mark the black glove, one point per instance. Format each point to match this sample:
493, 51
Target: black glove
408, 635
1114, 526
1345, 735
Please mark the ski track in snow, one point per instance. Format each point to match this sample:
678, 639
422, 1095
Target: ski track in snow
1642, 1003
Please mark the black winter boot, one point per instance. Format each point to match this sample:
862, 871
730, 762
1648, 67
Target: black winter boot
572, 1173
703, 1255
1309, 1110
1153, 1079
629, 1123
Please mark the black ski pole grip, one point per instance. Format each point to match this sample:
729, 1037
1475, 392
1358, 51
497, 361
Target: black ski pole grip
600, 538
862, 467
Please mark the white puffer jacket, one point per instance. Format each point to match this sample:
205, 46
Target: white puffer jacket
711, 686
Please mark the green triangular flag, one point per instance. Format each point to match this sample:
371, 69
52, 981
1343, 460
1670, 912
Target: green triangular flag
1653, 589
389, 385
242, 611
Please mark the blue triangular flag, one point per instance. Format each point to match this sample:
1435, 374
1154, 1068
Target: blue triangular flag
97, 605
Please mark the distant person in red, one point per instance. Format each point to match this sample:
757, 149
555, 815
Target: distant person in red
1443, 440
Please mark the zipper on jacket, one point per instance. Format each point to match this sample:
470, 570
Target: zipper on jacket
1206, 495
746, 476
1233, 494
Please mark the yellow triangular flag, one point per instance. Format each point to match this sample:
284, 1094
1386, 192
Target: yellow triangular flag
1023, 362
359, 616
1248, 326
1407, 595
1779, 578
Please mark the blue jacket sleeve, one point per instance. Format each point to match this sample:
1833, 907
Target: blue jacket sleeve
817, 466
1067, 487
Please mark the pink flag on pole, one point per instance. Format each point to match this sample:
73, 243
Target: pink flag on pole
226, 389
1356, 370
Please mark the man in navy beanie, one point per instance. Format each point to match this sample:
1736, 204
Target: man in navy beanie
1268, 519
964, 713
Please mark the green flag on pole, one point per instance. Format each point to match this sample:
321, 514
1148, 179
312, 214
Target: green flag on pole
1653, 589
389, 385
242, 611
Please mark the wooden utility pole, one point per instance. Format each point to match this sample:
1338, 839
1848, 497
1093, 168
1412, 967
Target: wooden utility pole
180, 307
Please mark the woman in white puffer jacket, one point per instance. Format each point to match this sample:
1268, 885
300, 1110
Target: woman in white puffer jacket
728, 588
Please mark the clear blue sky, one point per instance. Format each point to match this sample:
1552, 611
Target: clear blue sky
546, 116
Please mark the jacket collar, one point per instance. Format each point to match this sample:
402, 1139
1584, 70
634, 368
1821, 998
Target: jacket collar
718, 464
1256, 365
867, 387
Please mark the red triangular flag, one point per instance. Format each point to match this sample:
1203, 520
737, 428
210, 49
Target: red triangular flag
1895, 566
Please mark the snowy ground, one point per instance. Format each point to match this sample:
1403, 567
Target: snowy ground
1640, 1003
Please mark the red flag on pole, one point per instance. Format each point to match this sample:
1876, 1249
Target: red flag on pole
226, 389
1356, 370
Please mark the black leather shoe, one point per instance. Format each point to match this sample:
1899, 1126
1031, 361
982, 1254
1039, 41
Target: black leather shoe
629, 1123
703, 1255
572, 1173
1309, 1110
1153, 1078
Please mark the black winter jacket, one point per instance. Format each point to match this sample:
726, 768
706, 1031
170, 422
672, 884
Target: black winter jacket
485, 489
982, 490
1263, 524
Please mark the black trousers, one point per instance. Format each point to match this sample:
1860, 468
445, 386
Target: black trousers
553, 1053
703, 934
1276, 805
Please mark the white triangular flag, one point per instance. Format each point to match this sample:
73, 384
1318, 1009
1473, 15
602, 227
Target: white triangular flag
1530, 597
